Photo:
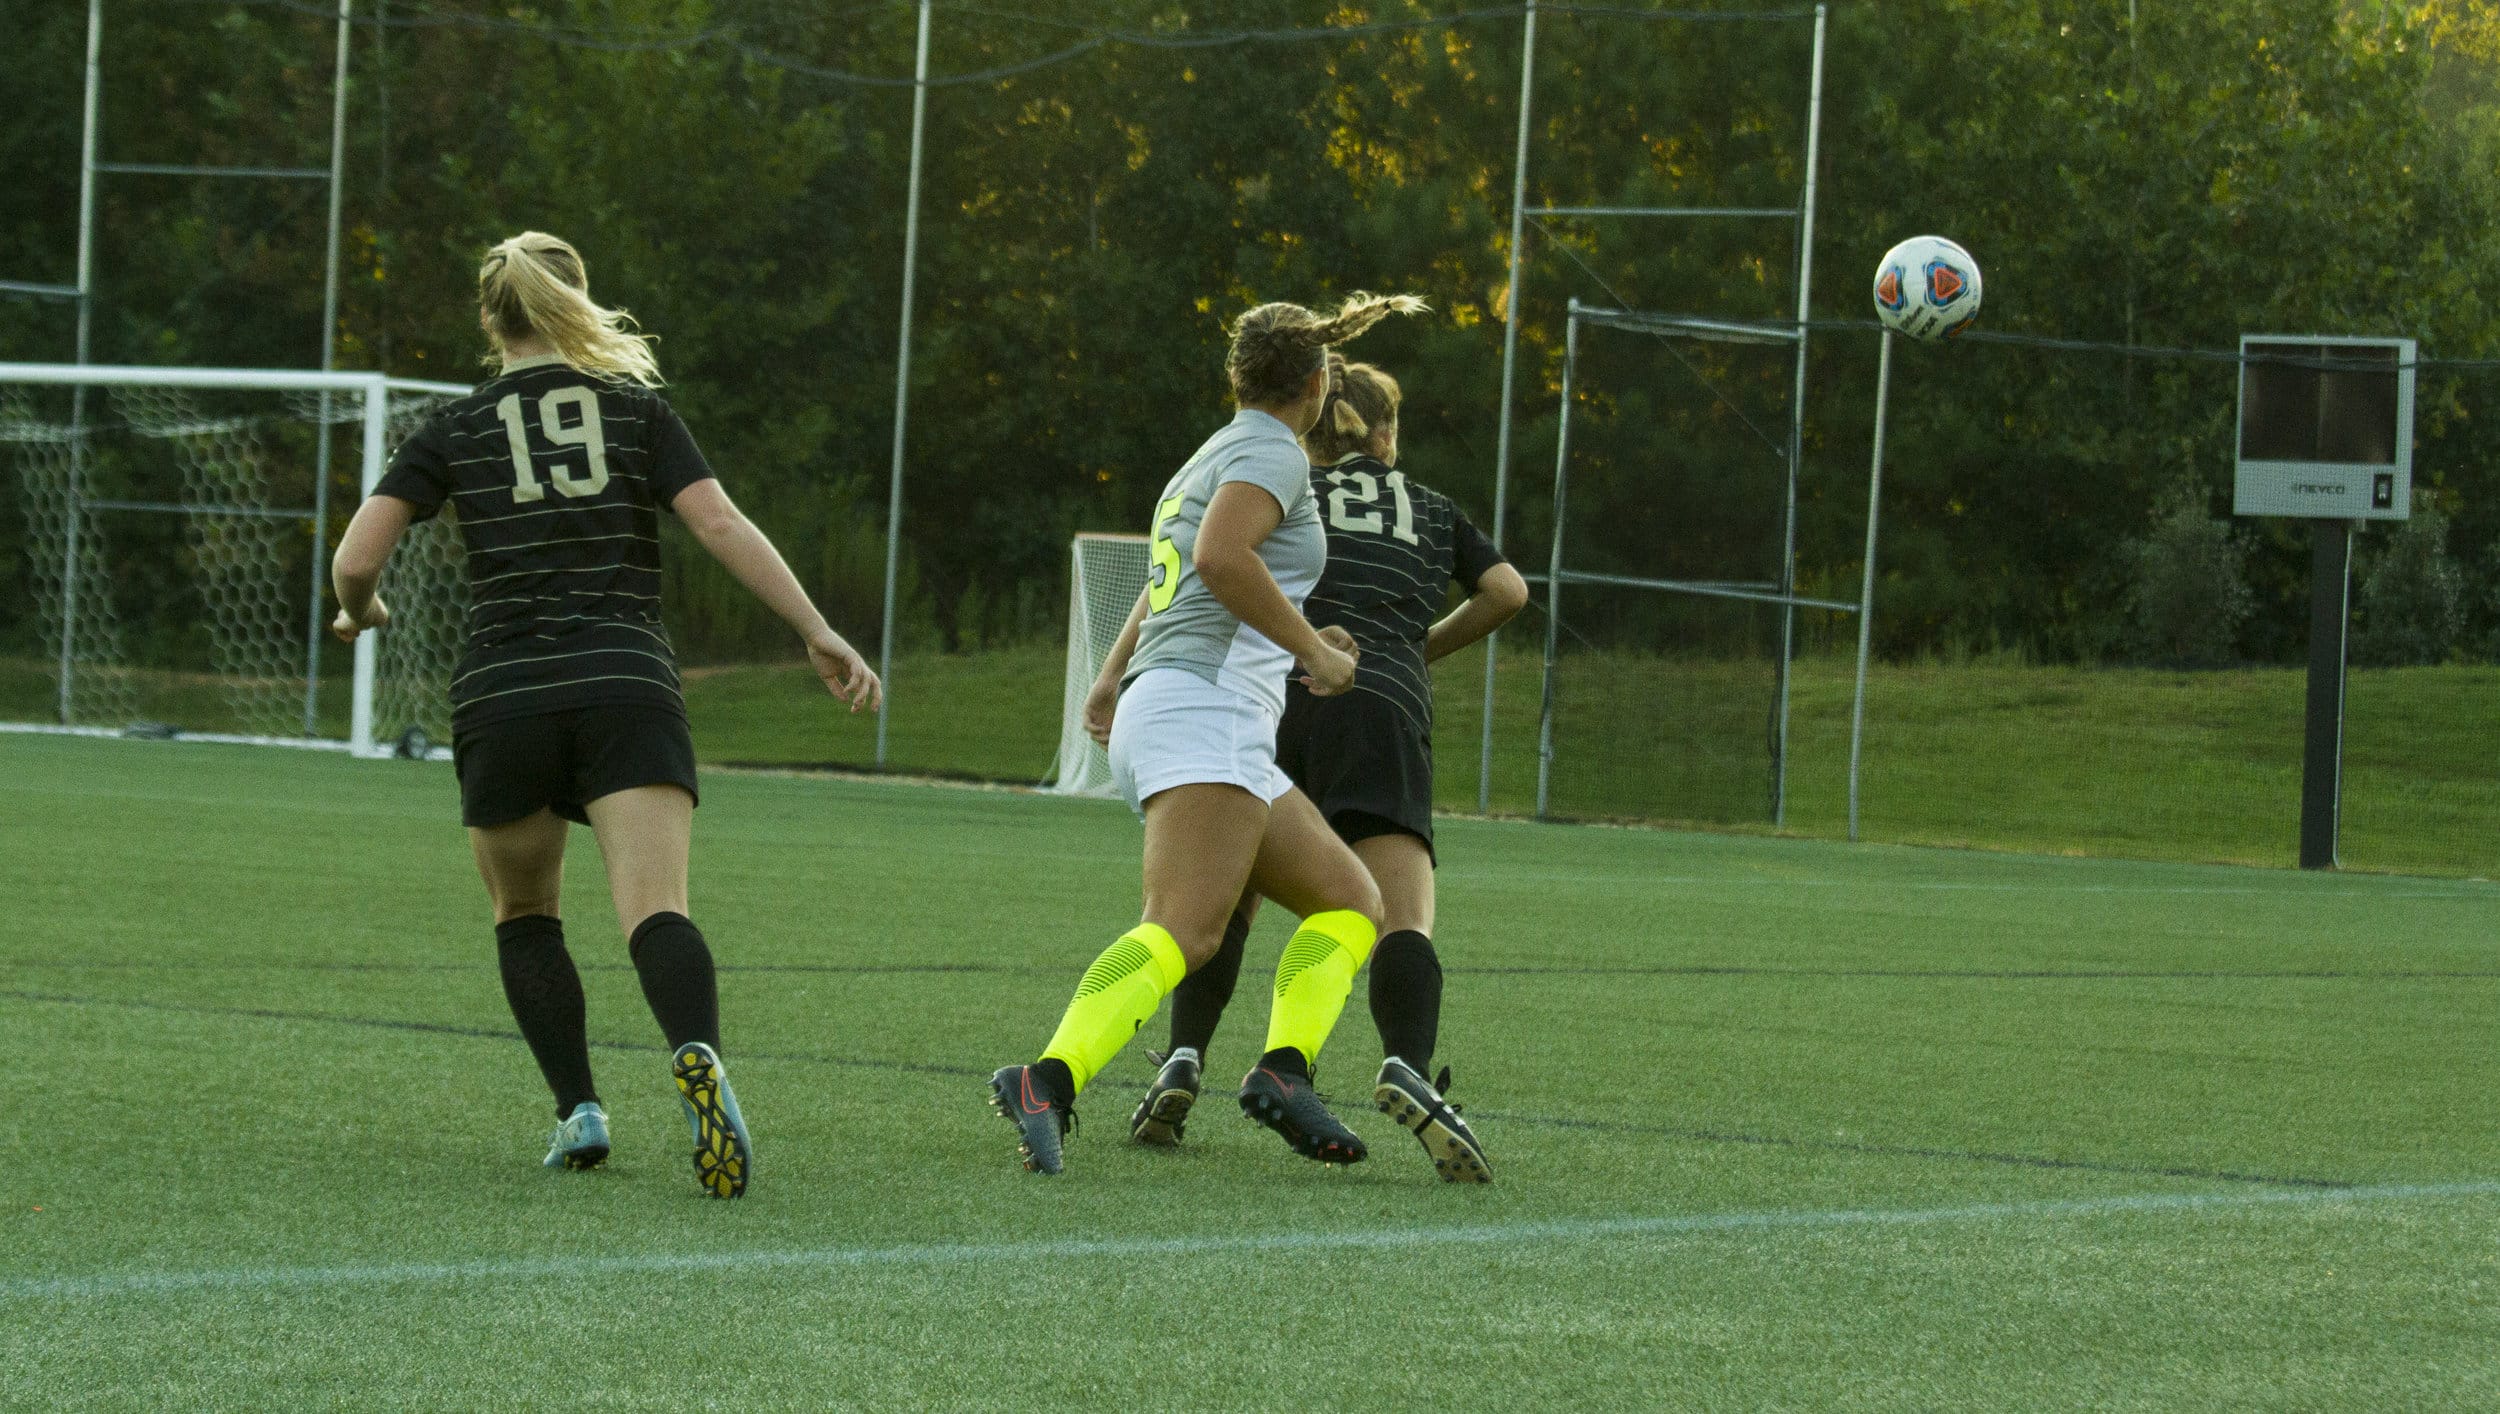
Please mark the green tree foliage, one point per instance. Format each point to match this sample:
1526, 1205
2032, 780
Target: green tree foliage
1089, 226
2413, 599
2188, 592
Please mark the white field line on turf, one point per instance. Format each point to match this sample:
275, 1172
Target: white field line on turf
1063, 1249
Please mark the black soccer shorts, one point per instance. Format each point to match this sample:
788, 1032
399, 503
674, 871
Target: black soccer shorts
561, 761
1366, 764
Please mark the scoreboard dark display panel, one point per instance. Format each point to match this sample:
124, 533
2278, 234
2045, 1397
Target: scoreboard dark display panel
2319, 403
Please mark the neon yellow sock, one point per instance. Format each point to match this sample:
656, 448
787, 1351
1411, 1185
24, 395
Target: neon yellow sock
1120, 992
1314, 976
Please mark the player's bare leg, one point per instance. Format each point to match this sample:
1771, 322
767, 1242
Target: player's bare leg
1303, 866
644, 834
1406, 1006
1200, 839
522, 863
1197, 1005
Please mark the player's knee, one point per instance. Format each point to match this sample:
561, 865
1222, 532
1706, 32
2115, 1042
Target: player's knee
1358, 894
1198, 948
1196, 924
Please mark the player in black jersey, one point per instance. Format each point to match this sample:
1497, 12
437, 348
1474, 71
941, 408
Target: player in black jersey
565, 704
1365, 758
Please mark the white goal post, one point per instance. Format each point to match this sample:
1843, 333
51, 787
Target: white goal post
1106, 574
173, 534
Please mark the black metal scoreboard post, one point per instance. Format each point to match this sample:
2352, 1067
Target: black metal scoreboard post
2326, 435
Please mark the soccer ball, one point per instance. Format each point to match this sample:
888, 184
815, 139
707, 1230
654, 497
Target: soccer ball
1928, 288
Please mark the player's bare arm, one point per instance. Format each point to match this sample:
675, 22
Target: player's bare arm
356, 570
1102, 700
723, 530
1497, 599
1227, 561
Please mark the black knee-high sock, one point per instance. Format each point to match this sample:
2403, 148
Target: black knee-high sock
676, 970
1199, 1001
546, 997
1406, 997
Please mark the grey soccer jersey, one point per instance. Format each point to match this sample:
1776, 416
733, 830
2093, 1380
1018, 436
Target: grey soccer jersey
1185, 626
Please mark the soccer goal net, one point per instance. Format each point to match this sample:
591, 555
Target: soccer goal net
168, 547
1105, 577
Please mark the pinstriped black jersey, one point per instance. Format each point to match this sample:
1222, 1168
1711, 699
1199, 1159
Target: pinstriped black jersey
556, 478
1394, 548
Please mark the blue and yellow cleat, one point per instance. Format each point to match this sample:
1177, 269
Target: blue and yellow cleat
581, 1141
723, 1159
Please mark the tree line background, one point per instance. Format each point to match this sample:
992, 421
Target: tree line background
1090, 225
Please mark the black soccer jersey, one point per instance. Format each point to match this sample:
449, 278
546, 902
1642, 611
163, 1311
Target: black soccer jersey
556, 478
1394, 548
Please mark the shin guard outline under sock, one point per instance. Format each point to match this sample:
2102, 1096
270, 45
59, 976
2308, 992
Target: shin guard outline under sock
1406, 998
675, 965
1118, 994
1313, 978
545, 993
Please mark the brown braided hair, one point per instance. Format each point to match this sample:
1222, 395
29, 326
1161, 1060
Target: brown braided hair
1277, 346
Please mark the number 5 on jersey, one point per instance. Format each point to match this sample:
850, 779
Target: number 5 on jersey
1164, 580
585, 435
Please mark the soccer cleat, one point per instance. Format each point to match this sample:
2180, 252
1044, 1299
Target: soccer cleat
1288, 1105
581, 1141
1164, 1113
1403, 1096
723, 1159
1041, 1122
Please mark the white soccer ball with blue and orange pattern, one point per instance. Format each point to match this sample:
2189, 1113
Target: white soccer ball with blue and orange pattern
1928, 288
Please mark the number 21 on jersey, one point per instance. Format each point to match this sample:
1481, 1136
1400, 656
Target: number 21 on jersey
1363, 487
590, 481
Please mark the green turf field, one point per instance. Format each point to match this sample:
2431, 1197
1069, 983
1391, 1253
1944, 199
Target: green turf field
2124, 762
2199, 767
1776, 1124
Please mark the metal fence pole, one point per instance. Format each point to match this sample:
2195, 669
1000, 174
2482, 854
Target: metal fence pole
329, 343
1510, 361
1866, 586
1554, 566
77, 492
902, 375
1797, 426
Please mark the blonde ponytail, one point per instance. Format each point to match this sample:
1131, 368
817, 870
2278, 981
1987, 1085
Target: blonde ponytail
1276, 346
1361, 399
534, 285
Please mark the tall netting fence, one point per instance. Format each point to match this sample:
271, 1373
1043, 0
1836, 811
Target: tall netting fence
2075, 645
1660, 566
2079, 648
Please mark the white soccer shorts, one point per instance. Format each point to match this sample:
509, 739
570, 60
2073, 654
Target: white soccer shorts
1174, 728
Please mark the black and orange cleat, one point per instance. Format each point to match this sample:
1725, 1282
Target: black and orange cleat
1288, 1104
1042, 1120
1403, 1095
